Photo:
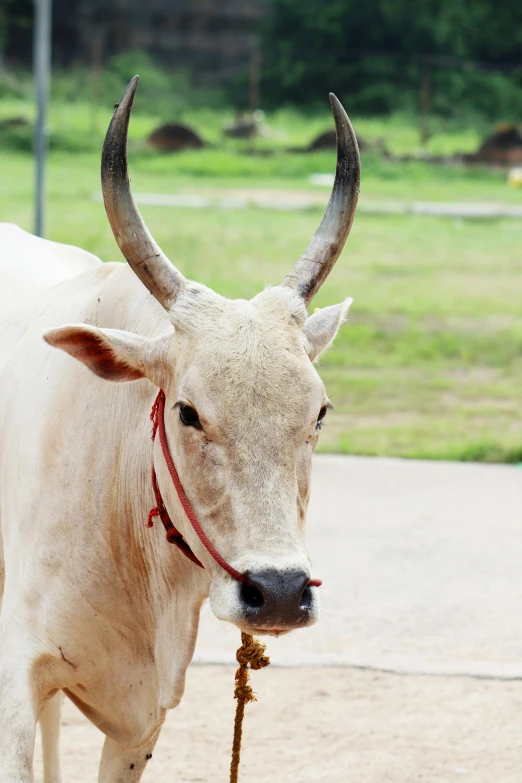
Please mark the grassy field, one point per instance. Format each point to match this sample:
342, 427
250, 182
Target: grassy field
78, 126
430, 362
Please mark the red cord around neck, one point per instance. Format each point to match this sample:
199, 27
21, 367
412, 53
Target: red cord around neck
173, 535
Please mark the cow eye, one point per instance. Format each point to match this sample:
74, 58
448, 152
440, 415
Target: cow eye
189, 417
320, 418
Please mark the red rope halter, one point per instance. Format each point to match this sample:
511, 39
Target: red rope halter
157, 416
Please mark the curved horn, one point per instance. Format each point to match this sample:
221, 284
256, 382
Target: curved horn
315, 264
139, 248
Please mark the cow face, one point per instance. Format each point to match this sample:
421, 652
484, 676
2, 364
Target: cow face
244, 408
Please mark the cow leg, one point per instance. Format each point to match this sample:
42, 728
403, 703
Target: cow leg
18, 716
124, 765
50, 727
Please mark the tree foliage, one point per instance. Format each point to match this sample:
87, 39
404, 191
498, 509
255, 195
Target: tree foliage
464, 56
377, 51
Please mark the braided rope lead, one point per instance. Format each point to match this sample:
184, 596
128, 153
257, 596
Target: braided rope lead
251, 655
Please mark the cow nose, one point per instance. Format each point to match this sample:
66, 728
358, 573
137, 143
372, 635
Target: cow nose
273, 598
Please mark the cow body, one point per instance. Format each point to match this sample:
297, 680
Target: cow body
111, 607
96, 604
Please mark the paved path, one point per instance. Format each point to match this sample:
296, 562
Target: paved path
299, 200
422, 570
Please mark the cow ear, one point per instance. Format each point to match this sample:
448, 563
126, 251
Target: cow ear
321, 328
109, 353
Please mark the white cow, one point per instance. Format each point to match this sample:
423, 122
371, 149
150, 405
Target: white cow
95, 603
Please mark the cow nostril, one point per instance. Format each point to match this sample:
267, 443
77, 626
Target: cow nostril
306, 599
251, 596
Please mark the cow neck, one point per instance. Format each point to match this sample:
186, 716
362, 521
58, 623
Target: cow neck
173, 535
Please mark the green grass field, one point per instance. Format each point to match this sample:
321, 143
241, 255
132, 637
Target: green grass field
78, 126
430, 362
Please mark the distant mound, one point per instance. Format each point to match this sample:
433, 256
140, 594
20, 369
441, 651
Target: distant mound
16, 133
245, 128
13, 122
246, 125
328, 141
174, 137
504, 147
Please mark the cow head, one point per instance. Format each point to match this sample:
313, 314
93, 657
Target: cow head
244, 404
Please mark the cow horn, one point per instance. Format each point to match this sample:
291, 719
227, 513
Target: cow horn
315, 264
135, 242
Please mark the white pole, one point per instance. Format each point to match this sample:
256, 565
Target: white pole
42, 69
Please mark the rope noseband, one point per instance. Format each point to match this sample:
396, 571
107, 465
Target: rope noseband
157, 416
173, 535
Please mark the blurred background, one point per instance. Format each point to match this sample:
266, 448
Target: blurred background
232, 153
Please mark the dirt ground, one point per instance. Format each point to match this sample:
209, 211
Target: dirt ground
327, 724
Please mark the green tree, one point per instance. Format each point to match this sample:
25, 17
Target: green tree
374, 51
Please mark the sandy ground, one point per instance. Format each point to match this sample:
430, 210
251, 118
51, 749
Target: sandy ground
328, 724
421, 564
